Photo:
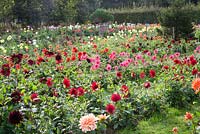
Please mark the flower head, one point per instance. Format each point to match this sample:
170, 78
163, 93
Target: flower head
110, 108
66, 82
142, 75
188, 116
16, 96
94, 86
115, 97
31, 62
5, 70
15, 117
147, 85
16, 58
102, 117
88, 123
196, 85
76, 92
175, 130
152, 73
58, 58
49, 82
34, 97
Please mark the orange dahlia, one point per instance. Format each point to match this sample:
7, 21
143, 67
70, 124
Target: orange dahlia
196, 85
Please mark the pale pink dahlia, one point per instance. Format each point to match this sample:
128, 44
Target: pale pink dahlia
88, 123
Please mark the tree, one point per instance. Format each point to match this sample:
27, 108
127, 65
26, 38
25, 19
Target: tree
27, 11
6, 10
64, 11
85, 8
178, 17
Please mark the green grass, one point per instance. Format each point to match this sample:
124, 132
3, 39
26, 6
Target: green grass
163, 123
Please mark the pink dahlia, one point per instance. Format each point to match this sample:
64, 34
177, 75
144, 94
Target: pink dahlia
88, 123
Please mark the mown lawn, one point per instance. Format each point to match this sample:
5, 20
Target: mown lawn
163, 123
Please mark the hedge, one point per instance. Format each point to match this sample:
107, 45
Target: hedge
139, 15
143, 15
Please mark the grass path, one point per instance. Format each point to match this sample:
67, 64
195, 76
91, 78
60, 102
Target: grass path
163, 123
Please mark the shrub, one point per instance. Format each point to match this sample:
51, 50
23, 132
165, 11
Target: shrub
179, 96
178, 16
101, 16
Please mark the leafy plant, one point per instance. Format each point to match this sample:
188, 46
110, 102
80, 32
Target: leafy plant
101, 16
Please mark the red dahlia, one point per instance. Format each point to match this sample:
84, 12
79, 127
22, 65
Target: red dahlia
34, 97
166, 67
49, 82
194, 71
124, 88
76, 92
66, 82
81, 91
73, 92
115, 97
110, 108
142, 75
152, 73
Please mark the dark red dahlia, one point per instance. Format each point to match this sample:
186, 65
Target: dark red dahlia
16, 58
43, 80
66, 82
119, 74
48, 54
31, 62
110, 108
5, 70
16, 96
115, 97
173, 41
15, 117
58, 58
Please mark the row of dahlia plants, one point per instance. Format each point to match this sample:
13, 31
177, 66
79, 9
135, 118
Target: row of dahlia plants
55, 82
